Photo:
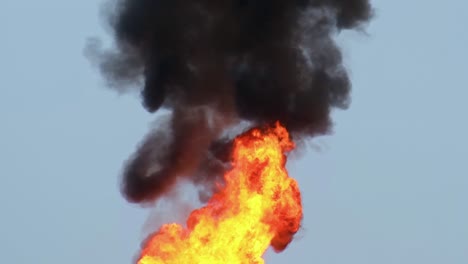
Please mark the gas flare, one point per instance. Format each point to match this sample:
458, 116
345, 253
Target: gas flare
257, 205
216, 66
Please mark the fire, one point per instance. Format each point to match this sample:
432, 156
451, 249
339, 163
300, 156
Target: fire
258, 205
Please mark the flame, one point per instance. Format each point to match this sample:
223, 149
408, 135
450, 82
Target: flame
258, 205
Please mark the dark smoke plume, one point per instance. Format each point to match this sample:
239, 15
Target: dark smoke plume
215, 63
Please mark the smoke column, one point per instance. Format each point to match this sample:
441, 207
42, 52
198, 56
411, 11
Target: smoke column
215, 64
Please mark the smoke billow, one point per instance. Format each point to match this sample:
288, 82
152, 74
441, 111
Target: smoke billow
215, 64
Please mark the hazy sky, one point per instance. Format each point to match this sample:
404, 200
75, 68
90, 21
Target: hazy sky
390, 186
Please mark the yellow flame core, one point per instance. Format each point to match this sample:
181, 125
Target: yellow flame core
258, 205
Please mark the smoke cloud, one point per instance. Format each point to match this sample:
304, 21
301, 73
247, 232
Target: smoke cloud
215, 64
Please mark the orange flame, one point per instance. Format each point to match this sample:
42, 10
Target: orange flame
257, 206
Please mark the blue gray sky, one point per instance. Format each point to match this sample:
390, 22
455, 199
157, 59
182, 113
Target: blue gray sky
389, 186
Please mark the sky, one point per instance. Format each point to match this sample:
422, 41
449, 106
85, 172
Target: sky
388, 186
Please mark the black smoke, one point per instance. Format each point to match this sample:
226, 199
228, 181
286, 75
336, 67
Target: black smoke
216, 63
